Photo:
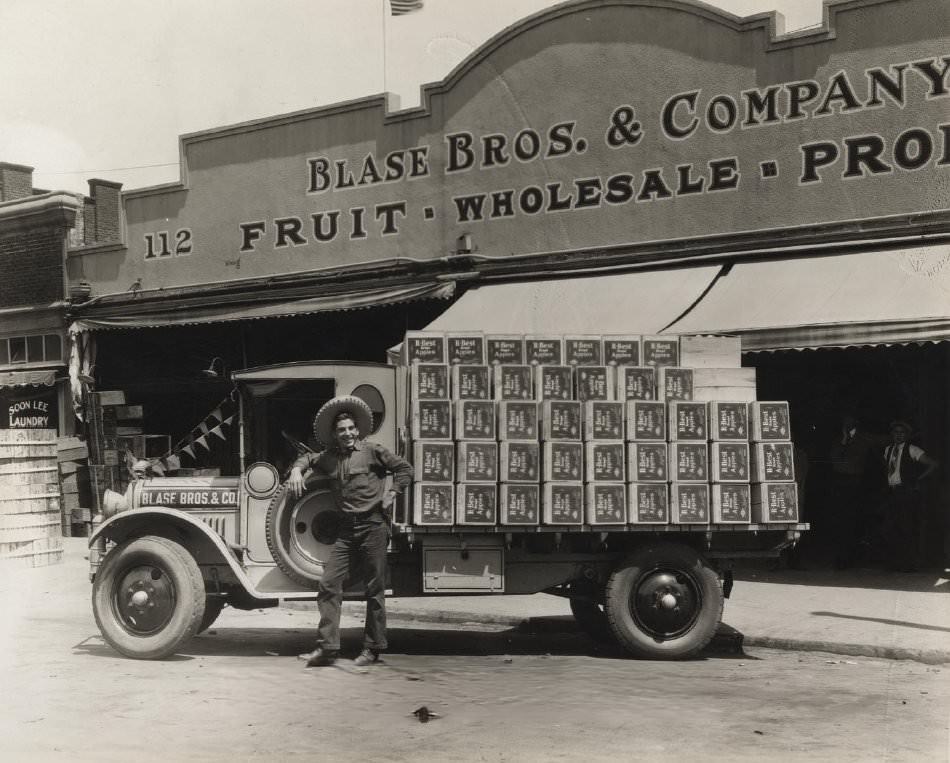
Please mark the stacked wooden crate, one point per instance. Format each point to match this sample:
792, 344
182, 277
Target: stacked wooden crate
590, 430
72, 453
30, 516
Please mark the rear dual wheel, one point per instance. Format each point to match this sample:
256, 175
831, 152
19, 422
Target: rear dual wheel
664, 602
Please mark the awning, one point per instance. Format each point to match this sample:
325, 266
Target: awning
40, 378
900, 296
174, 313
640, 302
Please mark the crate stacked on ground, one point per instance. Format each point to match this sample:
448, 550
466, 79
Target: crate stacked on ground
71, 454
30, 514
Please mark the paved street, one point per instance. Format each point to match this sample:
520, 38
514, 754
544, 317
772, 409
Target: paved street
238, 693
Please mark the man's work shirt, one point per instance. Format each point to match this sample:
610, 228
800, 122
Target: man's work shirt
359, 477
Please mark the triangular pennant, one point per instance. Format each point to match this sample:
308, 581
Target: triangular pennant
189, 450
203, 442
227, 421
174, 463
216, 414
219, 433
203, 427
157, 469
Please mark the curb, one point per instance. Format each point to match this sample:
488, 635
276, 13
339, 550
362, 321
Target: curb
543, 624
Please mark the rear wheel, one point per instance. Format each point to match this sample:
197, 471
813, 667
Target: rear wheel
148, 597
664, 602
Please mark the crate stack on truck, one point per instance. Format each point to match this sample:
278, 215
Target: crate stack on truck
584, 431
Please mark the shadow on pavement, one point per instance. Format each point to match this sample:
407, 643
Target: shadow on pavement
862, 577
885, 621
552, 636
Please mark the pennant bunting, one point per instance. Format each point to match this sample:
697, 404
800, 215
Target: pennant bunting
216, 414
203, 442
174, 463
189, 450
217, 431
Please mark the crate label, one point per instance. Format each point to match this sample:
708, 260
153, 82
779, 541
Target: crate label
433, 417
566, 503
521, 504
607, 504
646, 420
430, 382
604, 420
690, 461
649, 462
425, 349
777, 462
519, 421
689, 421
434, 504
773, 421
622, 351
505, 351
555, 382
542, 351
638, 383
477, 420
521, 461
566, 461
593, 383
661, 352
605, 462
513, 383
734, 503
677, 383
652, 503
732, 461
477, 503
731, 421
434, 462
464, 349
583, 351
562, 420
782, 502
478, 461
471, 382
692, 503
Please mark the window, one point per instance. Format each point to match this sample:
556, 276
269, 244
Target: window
374, 399
35, 348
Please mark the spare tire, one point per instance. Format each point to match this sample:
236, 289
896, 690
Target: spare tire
301, 532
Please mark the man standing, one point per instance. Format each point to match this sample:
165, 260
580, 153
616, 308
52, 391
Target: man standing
358, 469
907, 465
849, 489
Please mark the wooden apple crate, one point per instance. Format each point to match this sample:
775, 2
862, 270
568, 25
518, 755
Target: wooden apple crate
648, 462
604, 461
476, 461
622, 349
543, 350
562, 503
518, 420
476, 503
433, 461
519, 461
646, 420
606, 503
504, 349
648, 503
520, 503
470, 382
465, 348
433, 503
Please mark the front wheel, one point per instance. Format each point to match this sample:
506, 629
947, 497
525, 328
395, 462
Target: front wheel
148, 597
664, 602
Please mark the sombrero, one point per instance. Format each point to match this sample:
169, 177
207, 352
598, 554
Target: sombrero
325, 419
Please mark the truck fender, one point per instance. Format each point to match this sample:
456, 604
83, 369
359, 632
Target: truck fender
139, 522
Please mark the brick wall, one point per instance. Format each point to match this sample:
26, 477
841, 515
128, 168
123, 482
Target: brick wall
16, 181
32, 266
100, 213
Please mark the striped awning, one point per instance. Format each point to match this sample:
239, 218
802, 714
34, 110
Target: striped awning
187, 312
39, 378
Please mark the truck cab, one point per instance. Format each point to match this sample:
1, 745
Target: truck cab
167, 557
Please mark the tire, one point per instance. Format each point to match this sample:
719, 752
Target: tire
664, 602
301, 532
148, 597
213, 607
592, 619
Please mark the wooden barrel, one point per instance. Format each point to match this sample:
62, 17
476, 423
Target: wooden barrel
30, 504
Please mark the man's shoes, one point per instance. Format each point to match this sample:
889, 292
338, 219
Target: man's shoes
367, 657
318, 658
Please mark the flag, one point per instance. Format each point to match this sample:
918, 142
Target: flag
402, 7
217, 431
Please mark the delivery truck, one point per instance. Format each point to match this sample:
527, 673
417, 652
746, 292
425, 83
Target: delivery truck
567, 474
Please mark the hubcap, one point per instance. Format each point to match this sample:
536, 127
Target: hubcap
665, 603
313, 528
144, 600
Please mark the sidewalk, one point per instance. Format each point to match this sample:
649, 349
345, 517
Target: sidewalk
856, 612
